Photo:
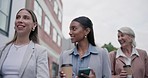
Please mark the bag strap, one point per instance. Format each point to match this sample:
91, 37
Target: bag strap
114, 62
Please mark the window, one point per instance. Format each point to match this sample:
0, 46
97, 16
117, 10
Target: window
59, 40
38, 12
60, 16
54, 70
55, 7
54, 35
5, 9
47, 25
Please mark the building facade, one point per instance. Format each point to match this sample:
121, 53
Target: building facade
49, 15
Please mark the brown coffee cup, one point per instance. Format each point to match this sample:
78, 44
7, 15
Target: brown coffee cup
67, 69
128, 69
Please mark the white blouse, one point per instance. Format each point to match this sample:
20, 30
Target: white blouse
13, 61
127, 59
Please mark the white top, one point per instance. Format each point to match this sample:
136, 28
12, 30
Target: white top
127, 59
13, 61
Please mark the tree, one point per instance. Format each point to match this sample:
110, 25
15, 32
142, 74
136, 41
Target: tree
109, 47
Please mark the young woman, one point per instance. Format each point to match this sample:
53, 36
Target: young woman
23, 57
85, 53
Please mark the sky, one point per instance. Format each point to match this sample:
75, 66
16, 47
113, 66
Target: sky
108, 16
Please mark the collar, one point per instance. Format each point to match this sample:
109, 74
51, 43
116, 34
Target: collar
120, 53
91, 50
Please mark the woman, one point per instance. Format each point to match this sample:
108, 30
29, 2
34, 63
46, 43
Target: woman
85, 53
129, 55
23, 57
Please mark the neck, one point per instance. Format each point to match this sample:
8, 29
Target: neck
127, 50
21, 41
83, 46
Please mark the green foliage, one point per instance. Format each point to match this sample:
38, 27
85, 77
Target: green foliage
109, 47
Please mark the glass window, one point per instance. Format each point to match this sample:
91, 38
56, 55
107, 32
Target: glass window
38, 12
54, 35
47, 25
60, 16
5, 5
59, 40
54, 70
4, 16
3, 19
55, 7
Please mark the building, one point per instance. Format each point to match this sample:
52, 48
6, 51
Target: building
49, 15
67, 44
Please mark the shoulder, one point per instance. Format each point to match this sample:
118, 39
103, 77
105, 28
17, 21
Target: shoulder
40, 49
67, 52
141, 52
1, 47
101, 51
36, 46
112, 52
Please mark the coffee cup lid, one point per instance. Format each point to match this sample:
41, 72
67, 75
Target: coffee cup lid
127, 66
66, 65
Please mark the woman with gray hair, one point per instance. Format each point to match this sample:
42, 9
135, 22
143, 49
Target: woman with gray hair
128, 61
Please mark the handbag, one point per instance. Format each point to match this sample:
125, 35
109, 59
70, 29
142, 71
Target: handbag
114, 62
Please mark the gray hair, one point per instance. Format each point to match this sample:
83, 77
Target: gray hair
129, 31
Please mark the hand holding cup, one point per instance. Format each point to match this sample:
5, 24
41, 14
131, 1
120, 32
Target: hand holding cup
67, 70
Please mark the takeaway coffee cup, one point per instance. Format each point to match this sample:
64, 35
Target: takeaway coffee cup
128, 69
67, 69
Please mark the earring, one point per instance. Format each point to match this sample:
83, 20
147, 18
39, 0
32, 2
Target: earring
85, 36
33, 29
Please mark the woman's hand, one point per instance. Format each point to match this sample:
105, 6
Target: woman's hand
91, 75
62, 74
123, 74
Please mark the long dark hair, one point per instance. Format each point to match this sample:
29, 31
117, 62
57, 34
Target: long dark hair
33, 34
87, 23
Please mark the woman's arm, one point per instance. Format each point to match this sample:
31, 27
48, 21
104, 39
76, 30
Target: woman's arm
106, 65
146, 65
42, 65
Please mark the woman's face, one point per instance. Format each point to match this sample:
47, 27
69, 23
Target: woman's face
77, 32
124, 39
24, 23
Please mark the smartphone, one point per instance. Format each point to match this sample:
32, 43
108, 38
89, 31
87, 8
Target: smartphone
85, 71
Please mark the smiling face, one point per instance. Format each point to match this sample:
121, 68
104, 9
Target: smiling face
124, 39
24, 22
77, 32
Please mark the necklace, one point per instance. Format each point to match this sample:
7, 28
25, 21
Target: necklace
18, 46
